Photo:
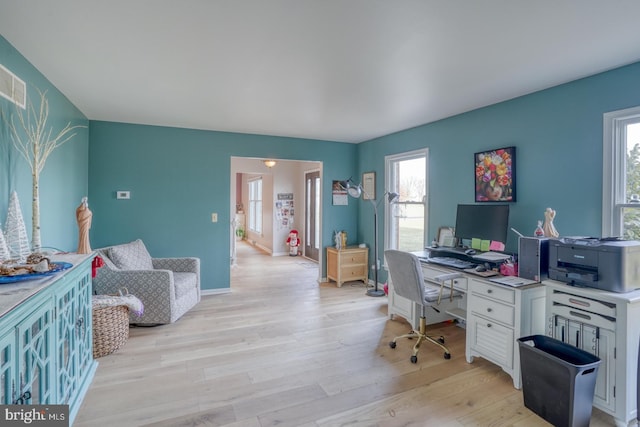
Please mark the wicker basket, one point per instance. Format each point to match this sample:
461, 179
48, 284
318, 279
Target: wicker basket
110, 328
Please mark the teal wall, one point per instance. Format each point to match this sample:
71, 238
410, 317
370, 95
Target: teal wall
178, 177
558, 138
64, 179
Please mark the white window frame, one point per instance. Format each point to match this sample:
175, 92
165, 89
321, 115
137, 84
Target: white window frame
390, 179
255, 204
613, 169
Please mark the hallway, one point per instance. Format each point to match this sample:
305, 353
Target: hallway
254, 264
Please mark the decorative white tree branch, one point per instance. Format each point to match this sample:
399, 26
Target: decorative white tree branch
35, 143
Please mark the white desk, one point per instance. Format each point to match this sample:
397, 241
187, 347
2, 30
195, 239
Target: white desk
495, 315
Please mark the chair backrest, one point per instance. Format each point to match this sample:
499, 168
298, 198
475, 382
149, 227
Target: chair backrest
406, 275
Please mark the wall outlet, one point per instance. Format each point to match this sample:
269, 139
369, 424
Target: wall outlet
214, 217
123, 194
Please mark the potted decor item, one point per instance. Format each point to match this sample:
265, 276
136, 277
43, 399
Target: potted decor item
35, 142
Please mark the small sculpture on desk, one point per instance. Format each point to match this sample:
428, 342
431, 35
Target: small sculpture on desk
549, 228
83, 216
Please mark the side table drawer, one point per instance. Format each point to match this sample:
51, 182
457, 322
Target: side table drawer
353, 258
351, 272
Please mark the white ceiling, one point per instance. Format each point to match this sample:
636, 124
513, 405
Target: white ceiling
341, 70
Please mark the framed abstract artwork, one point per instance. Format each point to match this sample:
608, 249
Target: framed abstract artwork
495, 175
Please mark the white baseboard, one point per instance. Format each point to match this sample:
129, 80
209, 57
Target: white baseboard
215, 291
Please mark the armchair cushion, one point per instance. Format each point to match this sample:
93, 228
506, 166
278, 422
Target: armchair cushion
131, 256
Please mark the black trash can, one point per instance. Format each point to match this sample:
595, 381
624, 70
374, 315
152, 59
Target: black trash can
558, 380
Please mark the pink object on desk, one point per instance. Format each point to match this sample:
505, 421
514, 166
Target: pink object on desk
496, 246
509, 269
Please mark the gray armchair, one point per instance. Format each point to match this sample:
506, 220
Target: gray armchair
168, 287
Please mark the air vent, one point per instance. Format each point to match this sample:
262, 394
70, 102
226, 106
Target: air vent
12, 88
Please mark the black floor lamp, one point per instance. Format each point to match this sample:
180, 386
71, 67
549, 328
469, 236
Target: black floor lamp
356, 191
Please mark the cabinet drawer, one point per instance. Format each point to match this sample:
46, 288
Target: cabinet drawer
493, 291
353, 258
349, 272
583, 303
493, 310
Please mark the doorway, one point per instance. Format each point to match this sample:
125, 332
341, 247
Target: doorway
312, 215
284, 181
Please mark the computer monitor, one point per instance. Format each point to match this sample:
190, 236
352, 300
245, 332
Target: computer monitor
485, 222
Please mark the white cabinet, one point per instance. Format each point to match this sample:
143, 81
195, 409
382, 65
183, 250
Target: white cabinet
606, 324
495, 316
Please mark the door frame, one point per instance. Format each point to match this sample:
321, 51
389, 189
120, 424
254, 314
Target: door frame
237, 165
319, 214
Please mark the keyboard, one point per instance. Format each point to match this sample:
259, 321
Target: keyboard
451, 262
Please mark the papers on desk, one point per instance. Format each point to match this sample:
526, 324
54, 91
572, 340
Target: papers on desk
513, 281
492, 256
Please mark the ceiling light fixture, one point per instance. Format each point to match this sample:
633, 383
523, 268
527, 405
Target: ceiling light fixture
269, 163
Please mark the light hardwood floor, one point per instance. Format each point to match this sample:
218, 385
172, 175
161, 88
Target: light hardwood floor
283, 350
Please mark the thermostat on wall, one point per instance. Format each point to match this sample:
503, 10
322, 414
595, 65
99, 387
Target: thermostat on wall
123, 194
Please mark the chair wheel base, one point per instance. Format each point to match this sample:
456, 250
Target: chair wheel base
447, 356
441, 339
392, 344
414, 359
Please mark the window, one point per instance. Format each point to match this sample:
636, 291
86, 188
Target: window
255, 205
621, 174
406, 219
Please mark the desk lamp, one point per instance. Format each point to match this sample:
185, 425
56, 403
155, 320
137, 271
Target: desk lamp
356, 191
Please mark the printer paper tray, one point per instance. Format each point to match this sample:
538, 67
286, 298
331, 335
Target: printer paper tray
584, 317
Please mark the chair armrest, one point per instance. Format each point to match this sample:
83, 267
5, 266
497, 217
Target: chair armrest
180, 265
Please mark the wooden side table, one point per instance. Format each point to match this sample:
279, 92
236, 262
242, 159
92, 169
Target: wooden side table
347, 264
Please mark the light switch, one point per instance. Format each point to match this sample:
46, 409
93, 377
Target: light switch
214, 217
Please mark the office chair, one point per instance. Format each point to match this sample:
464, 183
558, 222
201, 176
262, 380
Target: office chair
408, 282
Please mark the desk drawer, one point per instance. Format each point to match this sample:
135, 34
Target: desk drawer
493, 291
493, 310
492, 341
430, 275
